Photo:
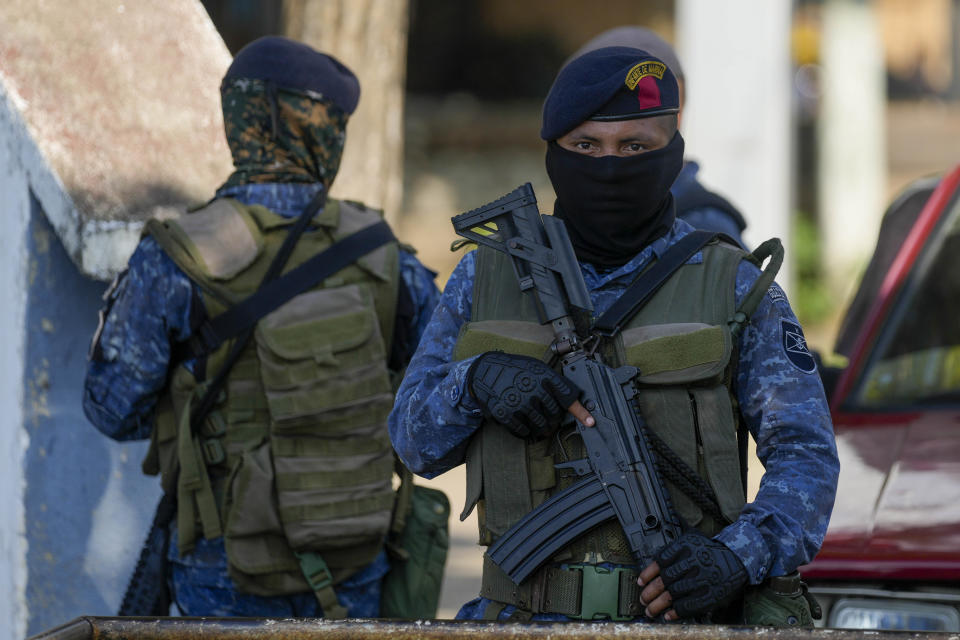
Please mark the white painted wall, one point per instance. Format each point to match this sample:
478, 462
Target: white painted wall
15, 213
737, 118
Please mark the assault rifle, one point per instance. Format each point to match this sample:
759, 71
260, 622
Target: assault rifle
618, 478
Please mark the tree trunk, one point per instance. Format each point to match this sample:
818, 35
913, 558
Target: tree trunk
370, 37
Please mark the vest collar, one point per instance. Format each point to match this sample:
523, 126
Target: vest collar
597, 278
283, 202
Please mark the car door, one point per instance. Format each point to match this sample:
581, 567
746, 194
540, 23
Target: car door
896, 413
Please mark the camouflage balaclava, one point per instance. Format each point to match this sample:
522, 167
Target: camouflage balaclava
285, 111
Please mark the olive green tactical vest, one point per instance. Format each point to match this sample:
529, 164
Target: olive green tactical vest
295, 456
682, 344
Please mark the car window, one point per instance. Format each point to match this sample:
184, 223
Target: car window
900, 216
918, 353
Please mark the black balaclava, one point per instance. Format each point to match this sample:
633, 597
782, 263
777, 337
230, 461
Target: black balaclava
614, 206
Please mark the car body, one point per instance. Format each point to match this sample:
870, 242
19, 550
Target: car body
891, 557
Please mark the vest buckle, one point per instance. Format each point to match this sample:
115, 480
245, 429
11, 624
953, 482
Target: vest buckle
600, 591
213, 452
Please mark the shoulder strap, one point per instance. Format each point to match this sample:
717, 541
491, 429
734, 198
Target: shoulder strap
637, 294
244, 315
772, 249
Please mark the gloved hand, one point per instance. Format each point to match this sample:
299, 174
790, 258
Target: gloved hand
521, 393
701, 574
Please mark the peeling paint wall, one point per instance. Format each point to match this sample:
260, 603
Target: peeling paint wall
75, 505
87, 504
14, 211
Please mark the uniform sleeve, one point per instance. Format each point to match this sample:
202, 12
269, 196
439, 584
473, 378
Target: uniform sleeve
782, 401
423, 290
149, 308
433, 418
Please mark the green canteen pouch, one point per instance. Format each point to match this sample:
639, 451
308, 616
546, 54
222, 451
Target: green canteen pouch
781, 601
411, 589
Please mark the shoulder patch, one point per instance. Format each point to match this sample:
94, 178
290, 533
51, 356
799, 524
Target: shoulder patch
776, 293
794, 346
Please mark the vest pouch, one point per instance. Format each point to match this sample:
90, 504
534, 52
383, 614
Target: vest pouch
509, 336
259, 559
412, 587
323, 352
678, 354
684, 399
328, 393
781, 601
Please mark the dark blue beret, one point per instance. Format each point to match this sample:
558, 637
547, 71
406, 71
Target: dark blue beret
293, 65
612, 83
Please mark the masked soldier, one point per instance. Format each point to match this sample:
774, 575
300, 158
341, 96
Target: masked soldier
283, 490
695, 204
717, 347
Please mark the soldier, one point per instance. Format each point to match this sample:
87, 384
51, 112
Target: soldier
697, 205
289, 472
613, 152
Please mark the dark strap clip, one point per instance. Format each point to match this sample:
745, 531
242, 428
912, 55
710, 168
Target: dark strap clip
315, 570
214, 426
213, 452
203, 341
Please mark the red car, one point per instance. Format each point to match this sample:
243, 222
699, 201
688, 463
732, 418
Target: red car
891, 558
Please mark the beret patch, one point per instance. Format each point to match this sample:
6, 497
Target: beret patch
648, 94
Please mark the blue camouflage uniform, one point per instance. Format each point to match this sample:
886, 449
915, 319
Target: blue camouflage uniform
780, 397
151, 310
706, 216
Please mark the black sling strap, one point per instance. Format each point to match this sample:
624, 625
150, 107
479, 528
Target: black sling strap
307, 275
637, 294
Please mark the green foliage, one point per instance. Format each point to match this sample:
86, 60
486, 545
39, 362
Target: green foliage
811, 300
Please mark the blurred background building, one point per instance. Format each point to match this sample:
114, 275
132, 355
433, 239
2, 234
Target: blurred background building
809, 115
851, 98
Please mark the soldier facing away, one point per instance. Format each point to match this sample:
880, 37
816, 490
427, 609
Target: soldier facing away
716, 348
289, 471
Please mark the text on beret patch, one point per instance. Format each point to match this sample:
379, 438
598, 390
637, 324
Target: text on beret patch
641, 70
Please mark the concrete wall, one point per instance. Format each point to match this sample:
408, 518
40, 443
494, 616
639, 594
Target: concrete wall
109, 114
87, 505
14, 209
75, 505
123, 101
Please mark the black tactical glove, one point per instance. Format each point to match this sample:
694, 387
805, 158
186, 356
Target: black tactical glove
521, 393
701, 574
